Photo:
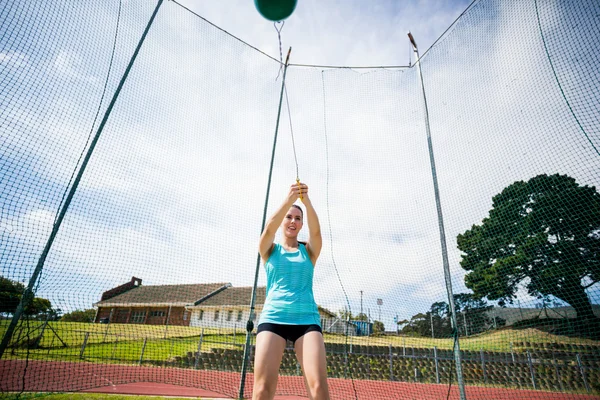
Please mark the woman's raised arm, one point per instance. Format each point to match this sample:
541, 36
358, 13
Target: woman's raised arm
265, 245
315, 241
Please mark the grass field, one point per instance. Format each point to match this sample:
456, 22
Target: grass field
499, 340
73, 333
116, 342
124, 343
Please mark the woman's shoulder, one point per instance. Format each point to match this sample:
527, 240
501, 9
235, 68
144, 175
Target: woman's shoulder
276, 248
302, 246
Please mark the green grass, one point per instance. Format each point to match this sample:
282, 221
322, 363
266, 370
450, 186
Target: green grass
73, 333
499, 340
123, 343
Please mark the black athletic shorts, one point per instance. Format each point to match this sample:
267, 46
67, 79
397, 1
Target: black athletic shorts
289, 332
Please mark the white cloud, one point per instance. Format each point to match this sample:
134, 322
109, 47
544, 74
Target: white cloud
13, 59
70, 65
40, 218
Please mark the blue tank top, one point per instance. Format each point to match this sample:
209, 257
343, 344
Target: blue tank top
290, 299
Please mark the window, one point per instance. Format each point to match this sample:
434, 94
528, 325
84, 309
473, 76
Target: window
229, 315
240, 314
157, 313
137, 317
200, 315
217, 315
185, 315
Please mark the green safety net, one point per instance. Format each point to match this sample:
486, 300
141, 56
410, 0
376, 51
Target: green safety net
148, 280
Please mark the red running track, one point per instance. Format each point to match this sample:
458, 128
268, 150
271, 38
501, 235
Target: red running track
58, 376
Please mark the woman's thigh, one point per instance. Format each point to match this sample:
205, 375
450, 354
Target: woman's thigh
269, 352
310, 350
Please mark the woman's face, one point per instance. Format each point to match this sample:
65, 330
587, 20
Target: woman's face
292, 223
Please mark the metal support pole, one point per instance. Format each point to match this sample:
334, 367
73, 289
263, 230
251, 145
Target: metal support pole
531, 370
512, 352
142, 353
391, 364
437, 365
508, 368
28, 293
197, 362
108, 325
85, 340
361, 303
446, 263
250, 323
167, 322
172, 341
114, 350
482, 356
557, 372
346, 364
431, 319
38, 342
582, 371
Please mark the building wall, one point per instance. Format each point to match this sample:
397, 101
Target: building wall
145, 315
227, 318
179, 316
336, 325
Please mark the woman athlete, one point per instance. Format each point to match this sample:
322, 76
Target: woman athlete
290, 311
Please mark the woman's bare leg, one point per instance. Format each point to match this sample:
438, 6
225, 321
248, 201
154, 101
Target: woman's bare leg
269, 352
310, 351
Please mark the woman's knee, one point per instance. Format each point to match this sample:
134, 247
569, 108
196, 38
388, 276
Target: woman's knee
318, 388
264, 389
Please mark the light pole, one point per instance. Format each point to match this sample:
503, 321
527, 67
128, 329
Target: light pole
361, 309
431, 318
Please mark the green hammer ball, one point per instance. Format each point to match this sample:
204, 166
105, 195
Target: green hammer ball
275, 10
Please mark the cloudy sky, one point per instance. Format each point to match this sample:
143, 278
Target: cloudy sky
175, 190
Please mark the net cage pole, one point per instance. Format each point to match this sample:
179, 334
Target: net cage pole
251, 316
28, 293
448, 278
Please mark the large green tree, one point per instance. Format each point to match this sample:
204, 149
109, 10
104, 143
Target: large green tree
418, 325
470, 310
10, 296
80, 316
439, 316
473, 313
543, 234
347, 315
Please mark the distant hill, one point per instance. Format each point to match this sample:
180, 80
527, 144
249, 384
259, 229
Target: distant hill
512, 315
